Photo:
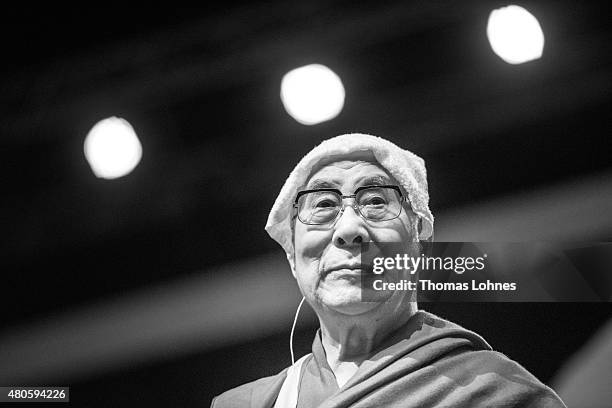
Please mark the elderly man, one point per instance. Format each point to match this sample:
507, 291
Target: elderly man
349, 190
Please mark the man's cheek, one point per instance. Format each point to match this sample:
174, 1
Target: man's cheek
388, 235
313, 246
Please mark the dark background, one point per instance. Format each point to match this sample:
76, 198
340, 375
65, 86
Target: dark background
513, 153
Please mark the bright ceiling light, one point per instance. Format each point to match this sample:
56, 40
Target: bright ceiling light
312, 94
515, 35
112, 148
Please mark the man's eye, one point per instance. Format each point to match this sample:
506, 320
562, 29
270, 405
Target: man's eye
374, 201
325, 204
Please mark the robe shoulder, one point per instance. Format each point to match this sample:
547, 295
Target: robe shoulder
263, 389
491, 376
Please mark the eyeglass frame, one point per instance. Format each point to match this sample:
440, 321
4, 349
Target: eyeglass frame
354, 206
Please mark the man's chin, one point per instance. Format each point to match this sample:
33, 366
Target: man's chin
347, 299
352, 306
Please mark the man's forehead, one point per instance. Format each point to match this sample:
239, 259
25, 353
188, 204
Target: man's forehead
349, 171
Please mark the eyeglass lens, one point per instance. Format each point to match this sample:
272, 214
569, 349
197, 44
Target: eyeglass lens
373, 203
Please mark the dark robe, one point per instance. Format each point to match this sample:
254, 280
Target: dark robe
429, 362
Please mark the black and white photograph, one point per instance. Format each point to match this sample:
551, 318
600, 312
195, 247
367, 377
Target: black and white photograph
306, 204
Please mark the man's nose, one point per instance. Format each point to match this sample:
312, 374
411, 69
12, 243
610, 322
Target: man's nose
349, 229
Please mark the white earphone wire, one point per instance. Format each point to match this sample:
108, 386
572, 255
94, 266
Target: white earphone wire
297, 312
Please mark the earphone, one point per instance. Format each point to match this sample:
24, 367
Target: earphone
297, 312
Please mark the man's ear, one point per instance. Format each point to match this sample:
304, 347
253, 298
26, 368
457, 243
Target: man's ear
291, 259
420, 229
426, 244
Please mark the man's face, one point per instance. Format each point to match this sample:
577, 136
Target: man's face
327, 257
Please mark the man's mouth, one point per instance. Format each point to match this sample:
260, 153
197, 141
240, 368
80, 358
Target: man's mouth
344, 270
351, 275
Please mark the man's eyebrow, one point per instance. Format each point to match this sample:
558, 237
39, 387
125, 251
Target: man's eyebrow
319, 183
375, 181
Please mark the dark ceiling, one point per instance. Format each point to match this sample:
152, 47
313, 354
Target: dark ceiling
201, 88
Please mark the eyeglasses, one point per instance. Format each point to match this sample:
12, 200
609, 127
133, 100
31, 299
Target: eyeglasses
324, 205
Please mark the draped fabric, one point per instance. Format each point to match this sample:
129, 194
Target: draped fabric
429, 362
318, 382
